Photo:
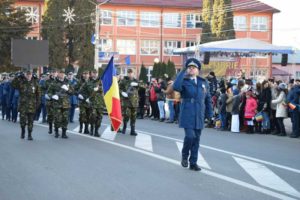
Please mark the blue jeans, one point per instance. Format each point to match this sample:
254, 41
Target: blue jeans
223, 118
171, 109
161, 108
191, 145
266, 120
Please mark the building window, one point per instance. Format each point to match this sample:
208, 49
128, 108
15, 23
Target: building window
149, 47
172, 20
31, 13
126, 18
106, 17
193, 21
150, 19
190, 43
126, 47
105, 45
259, 23
297, 75
240, 23
170, 46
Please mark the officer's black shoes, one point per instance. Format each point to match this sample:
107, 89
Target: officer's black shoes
132, 131
29, 136
64, 133
22, 132
92, 130
195, 167
56, 133
80, 128
97, 132
184, 163
86, 129
50, 128
124, 128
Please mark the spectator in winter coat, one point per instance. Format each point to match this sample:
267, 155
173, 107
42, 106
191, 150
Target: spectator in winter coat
250, 111
265, 106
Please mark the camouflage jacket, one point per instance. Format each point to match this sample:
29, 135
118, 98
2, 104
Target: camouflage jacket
96, 97
81, 89
64, 96
46, 86
133, 98
30, 94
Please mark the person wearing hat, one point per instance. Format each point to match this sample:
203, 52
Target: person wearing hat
49, 101
195, 106
30, 96
129, 101
60, 92
84, 106
73, 98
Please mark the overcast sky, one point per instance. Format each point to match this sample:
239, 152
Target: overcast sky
286, 24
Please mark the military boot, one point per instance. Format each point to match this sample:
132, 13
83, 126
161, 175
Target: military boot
97, 131
80, 127
132, 131
22, 132
64, 133
56, 132
92, 130
86, 128
124, 127
50, 128
29, 134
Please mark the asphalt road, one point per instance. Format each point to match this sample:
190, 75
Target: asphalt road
117, 166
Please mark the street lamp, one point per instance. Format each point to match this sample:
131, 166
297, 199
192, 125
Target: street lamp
97, 27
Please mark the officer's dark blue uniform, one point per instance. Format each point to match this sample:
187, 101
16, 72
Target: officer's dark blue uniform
73, 99
195, 106
15, 102
294, 98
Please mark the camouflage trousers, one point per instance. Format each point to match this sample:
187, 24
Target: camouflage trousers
27, 119
129, 113
96, 117
61, 118
84, 114
50, 112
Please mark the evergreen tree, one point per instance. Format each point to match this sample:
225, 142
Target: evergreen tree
143, 74
13, 25
206, 24
155, 71
54, 30
171, 70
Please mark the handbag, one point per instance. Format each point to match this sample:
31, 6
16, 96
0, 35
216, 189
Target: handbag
259, 117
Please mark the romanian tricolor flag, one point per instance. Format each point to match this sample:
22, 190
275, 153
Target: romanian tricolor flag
111, 95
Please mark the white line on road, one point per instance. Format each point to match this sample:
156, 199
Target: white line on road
108, 134
266, 177
175, 162
144, 141
76, 129
201, 161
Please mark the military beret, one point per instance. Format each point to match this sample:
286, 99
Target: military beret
61, 70
94, 71
193, 62
129, 71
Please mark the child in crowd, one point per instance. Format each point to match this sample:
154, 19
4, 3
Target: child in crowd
250, 111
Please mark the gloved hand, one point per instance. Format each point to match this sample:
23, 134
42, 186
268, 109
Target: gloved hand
96, 89
124, 94
47, 97
55, 97
87, 100
80, 97
65, 87
134, 84
21, 75
34, 76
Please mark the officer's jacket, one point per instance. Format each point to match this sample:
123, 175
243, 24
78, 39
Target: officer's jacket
30, 94
195, 101
294, 96
133, 97
55, 89
96, 97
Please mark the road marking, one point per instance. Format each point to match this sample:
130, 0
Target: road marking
108, 134
175, 162
143, 141
266, 177
201, 161
76, 129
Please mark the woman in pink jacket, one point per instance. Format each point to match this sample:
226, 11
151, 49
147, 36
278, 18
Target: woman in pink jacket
250, 111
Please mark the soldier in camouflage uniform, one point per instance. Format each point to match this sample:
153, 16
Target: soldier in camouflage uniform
129, 101
30, 96
49, 102
96, 101
84, 106
60, 92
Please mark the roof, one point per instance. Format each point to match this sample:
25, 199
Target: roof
245, 45
279, 72
241, 5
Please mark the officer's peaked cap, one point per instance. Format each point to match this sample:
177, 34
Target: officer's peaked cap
193, 62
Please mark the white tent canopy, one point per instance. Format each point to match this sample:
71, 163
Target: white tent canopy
243, 45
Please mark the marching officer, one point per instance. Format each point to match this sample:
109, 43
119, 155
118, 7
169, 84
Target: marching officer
49, 102
60, 92
73, 99
129, 101
195, 106
29, 98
